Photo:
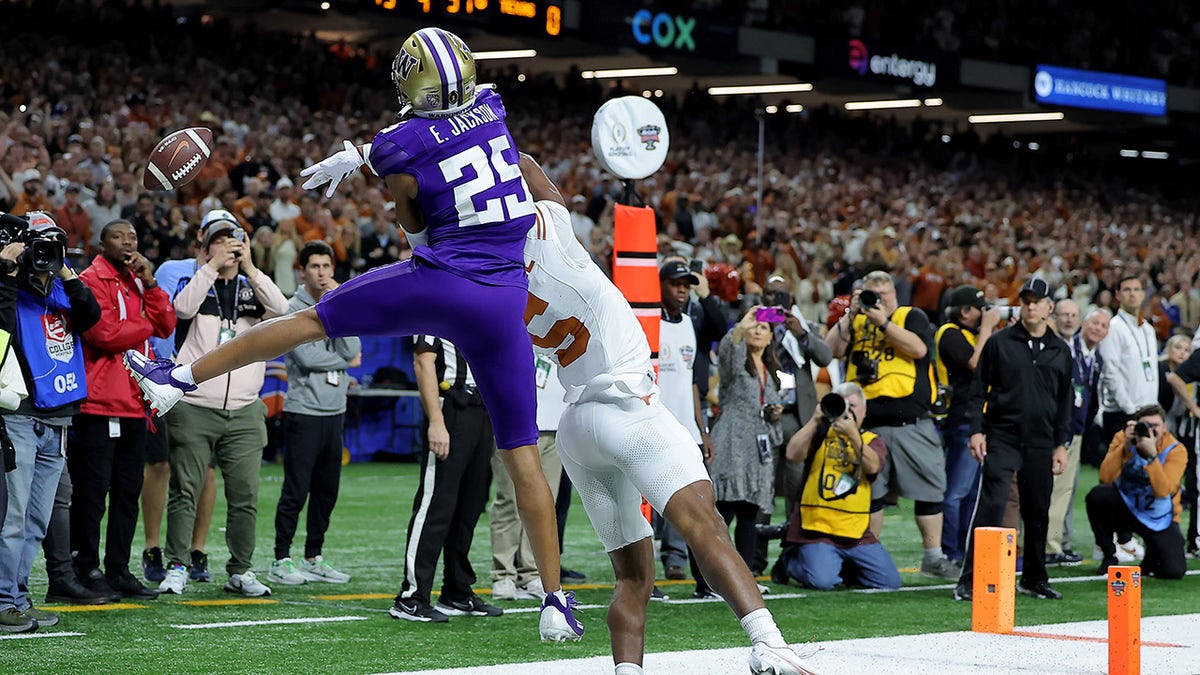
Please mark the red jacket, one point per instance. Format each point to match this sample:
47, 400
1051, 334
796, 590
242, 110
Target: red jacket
127, 320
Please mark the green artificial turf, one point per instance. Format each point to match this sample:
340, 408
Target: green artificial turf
366, 539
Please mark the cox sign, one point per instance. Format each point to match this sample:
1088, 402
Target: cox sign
665, 30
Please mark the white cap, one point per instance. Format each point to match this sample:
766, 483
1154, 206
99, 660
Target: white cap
284, 182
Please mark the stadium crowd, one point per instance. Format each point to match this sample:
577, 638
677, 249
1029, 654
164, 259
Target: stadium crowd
843, 195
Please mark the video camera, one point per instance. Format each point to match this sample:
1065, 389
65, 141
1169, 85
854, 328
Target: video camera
45, 244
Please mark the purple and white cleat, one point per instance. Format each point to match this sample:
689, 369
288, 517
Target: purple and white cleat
159, 389
558, 622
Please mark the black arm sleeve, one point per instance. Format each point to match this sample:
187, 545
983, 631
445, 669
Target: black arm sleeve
85, 311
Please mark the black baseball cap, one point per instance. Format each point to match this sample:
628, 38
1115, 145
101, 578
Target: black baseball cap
677, 269
966, 296
1035, 287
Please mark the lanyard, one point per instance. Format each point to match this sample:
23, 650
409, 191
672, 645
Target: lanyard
237, 292
762, 384
1135, 329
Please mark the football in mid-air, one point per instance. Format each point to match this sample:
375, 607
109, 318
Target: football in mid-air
177, 159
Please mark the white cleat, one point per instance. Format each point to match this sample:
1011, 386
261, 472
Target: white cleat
776, 661
159, 389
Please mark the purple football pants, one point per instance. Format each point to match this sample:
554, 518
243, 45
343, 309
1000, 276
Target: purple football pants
486, 323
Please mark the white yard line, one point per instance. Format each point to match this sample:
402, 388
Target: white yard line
268, 622
955, 653
30, 636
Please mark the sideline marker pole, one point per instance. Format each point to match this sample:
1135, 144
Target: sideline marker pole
994, 590
1124, 620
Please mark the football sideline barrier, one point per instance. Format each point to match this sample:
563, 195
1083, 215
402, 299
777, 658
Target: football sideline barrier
993, 606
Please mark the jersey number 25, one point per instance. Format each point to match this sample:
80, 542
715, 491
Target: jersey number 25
488, 168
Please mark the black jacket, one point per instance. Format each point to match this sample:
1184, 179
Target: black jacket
1028, 392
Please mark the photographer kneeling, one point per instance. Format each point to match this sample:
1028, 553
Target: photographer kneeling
829, 538
1139, 492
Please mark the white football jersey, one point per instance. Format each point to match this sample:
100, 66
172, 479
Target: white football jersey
578, 317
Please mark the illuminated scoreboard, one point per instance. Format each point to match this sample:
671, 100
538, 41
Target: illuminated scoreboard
542, 18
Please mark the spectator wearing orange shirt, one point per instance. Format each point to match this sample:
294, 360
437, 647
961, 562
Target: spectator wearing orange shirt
74, 219
32, 197
928, 285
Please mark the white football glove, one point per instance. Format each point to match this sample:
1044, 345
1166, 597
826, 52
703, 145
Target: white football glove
335, 168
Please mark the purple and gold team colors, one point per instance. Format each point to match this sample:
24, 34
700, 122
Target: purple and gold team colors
468, 285
476, 206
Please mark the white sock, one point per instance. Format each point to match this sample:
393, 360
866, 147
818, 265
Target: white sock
933, 554
561, 595
760, 626
628, 669
183, 374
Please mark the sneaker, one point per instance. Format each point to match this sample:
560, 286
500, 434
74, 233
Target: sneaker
319, 570
532, 590
176, 580
129, 587
770, 532
199, 571
571, 575
942, 568
159, 389
68, 590
657, 594
676, 572
964, 591
558, 622
411, 610
13, 620
776, 660
1130, 552
707, 594
472, 606
1065, 559
504, 589
246, 584
284, 572
1040, 590
43, 618
97, 583
152, 565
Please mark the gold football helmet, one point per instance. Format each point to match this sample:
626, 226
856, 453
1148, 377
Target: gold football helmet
434, 72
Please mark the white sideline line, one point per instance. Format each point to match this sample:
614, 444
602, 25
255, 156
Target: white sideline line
30, 636
269, 622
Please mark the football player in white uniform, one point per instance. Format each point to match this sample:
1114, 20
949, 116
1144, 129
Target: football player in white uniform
618, 442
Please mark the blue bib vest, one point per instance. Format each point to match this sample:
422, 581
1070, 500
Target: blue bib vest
1134, 487
53, 352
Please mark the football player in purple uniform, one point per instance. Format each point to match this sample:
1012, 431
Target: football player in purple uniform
453, 170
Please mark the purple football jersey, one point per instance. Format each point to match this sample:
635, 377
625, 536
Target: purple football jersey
477, 207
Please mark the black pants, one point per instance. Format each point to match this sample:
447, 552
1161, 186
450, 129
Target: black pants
57, 544
1113, 422
1035, 481
452, 494
745, 535
1108, 515
312, 471
104, 467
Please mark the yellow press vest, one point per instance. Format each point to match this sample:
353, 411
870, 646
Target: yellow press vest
943, 376
847, 517
897, 376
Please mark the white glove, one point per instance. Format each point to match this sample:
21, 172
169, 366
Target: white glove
335, 168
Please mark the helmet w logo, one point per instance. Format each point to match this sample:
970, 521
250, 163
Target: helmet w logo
405, 63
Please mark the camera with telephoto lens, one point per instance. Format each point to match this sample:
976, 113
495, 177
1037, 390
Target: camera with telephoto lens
1008, 313
833, 406
868, 299
1141, 430
866, 368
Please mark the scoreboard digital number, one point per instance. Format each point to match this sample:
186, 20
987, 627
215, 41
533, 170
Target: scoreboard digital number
542, 18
